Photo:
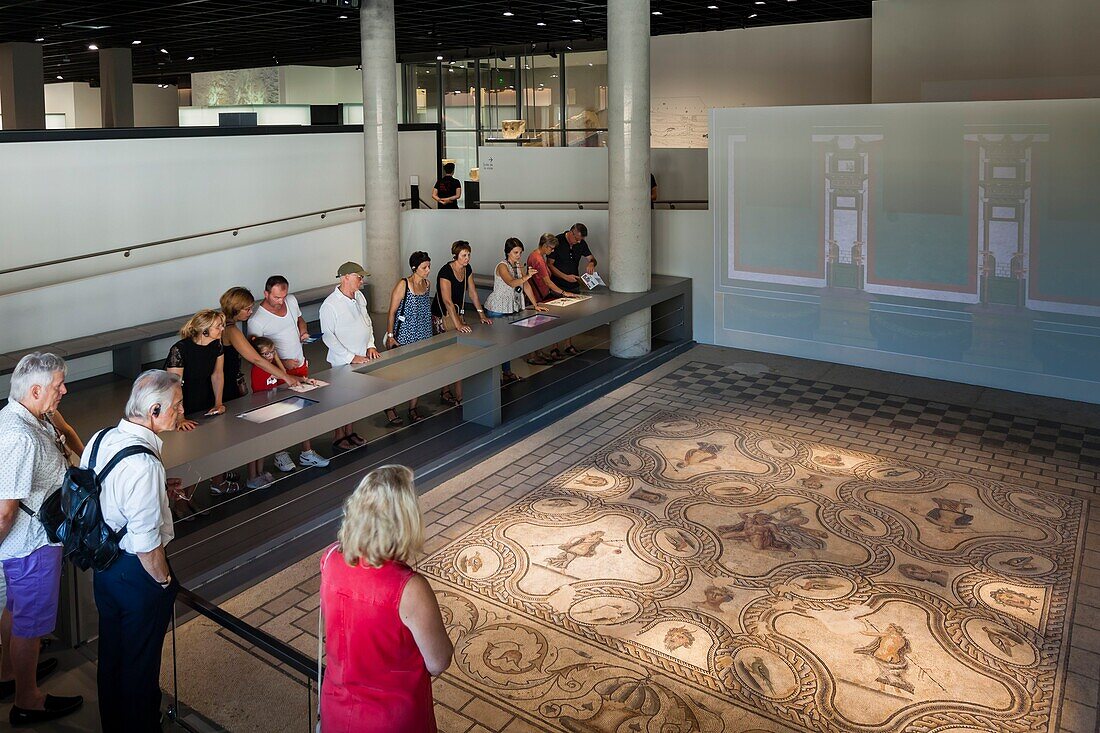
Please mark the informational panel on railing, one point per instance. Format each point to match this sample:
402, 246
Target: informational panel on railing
959, 241
509, 173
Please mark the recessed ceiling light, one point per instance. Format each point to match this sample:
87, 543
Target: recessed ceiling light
759, 2
438, 58
164, 50
553, 76
753, 15
135, 43
508, 11
39, 40
60, 77
657, 12
343, 17
542, 21
712, 7
190, 58
93, 47
577, 20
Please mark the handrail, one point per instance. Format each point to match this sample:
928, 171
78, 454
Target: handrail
280, 650
125, 251
581, 204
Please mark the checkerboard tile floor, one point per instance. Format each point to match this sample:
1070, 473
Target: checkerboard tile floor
1026, 451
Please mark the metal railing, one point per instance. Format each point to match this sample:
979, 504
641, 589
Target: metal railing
669, 203
125, 251
278, 650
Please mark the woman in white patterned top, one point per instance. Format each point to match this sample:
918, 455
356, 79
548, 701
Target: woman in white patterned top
510, 284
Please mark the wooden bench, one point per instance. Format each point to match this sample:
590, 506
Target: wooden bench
125, 344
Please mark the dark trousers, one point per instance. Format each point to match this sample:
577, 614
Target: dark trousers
134, 612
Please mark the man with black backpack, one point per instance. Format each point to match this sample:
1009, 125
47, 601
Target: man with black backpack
135, 593
32, 467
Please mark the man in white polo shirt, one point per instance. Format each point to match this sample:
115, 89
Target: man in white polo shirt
280, 319
348, 334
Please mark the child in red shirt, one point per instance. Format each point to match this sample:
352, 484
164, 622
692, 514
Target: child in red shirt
261, 380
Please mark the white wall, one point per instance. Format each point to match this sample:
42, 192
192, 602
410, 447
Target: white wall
813, 63
120, 192
156, 107
946, 50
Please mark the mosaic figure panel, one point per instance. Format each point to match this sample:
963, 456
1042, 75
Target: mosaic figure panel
695, 575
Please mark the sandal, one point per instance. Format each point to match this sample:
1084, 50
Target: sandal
357, 440
343, 444
414, 416
510, 378
448, 396
536, 360
571, 351
555, 355
393, 419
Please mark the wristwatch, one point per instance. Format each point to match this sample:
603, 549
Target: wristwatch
167, 581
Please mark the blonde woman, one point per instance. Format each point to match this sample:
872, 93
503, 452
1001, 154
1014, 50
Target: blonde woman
197, 358
384, 634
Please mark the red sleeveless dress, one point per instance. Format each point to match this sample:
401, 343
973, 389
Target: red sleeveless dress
375, 678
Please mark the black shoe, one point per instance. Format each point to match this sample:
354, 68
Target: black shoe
56, 707
45, 668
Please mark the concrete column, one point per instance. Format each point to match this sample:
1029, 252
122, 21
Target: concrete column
629, 227
22, 97
116, 87
383, 225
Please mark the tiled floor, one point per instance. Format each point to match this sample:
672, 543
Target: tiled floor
959, 442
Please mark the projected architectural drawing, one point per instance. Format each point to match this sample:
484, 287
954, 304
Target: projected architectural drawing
959, 232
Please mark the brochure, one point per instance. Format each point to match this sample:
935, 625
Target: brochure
593, 280
563, 302
308, 385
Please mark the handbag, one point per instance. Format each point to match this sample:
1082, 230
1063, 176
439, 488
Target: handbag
399, 320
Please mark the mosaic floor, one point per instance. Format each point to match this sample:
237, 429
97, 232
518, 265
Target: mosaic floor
692, 567
727, 548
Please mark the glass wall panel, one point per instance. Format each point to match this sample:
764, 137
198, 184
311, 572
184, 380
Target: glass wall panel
542, 98
586, 138
498, 95
424, 96
586, 94
462, 149
459, 79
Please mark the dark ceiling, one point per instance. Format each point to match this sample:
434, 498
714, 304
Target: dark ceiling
208, 35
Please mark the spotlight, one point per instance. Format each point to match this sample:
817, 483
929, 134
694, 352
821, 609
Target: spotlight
508, 11
39, 40
60, 77
438, 58
164, 50
93, 47
541, 21
190, 58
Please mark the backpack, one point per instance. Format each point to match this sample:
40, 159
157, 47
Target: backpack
73, 517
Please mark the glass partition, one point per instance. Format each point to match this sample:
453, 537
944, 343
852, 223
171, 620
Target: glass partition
541, 77
423, 92
498, 99
586, 97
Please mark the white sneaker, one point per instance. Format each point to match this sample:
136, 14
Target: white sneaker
283, 462
260, 482
310, 458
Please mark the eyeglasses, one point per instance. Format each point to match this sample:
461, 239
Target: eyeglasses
267, 354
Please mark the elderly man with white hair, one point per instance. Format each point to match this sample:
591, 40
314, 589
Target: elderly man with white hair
32, 466
135, 594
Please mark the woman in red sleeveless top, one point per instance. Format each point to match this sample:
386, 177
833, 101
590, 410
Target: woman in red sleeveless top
384, 635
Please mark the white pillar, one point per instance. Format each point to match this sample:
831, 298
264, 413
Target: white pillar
116, 87
383, 224
629, 225
22, 96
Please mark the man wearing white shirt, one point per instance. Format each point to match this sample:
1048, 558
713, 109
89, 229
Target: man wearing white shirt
280, 319
136, 593
348, 333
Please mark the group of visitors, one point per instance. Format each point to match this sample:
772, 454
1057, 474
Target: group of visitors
388, 613
135, 593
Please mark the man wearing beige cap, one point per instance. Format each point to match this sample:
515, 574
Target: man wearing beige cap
348, 333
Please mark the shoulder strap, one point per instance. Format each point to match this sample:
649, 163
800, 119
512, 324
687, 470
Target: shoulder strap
130, 450
321, 629
95, 447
